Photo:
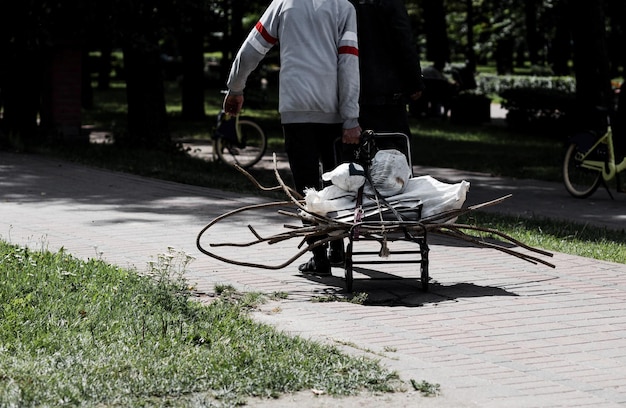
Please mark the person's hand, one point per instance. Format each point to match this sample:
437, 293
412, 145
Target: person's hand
351, 136
233, 104
415, 96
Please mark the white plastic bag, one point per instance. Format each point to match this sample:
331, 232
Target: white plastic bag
436, 196
390, 175
331, 198
347, 176
389, 172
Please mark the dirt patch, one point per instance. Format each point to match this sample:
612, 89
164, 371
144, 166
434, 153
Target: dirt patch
308, 399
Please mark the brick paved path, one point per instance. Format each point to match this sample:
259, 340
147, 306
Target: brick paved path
494, 331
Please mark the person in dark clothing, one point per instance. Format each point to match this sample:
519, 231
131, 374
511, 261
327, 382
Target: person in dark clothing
465, 76
439, 91
391, 73
390, 77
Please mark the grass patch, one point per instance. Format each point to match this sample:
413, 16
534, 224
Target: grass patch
557, 236
85, 333
487, 148
426, 389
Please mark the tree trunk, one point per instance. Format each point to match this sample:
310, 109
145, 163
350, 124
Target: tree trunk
86, 94
560, 49
192, 42
104, 67
532, 35
591, 63
437, 45
21, 94
504, 55
470, 54
147, 119
234, 34
617, 52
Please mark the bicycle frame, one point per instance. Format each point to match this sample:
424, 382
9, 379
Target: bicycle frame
232, 132
238, 141
608, 167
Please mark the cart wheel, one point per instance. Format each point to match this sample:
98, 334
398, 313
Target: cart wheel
424, 275
348, 267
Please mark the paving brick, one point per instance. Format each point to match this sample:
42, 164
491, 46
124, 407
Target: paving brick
494, 330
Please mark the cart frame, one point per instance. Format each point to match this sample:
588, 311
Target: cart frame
419, 256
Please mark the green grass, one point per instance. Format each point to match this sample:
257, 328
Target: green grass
426, 389
85, 333
556, 236
487, 148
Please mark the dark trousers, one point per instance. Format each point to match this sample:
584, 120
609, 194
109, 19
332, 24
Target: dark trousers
310, 148
308, 145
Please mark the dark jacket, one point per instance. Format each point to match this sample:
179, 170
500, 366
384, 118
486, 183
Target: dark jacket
389, 59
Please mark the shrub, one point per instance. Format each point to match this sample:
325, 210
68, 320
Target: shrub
541, 104
538, 109
496, 84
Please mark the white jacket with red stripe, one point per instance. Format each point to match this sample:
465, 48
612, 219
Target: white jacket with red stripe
319, 67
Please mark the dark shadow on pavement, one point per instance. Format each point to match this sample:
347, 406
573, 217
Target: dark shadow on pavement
385, 289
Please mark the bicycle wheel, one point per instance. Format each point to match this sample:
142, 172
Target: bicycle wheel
579, 182
248, 151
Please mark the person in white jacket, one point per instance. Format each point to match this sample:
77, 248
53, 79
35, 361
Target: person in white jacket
318, 86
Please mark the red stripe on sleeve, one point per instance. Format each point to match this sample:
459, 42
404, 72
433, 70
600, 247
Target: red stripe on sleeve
266, 36
349, 50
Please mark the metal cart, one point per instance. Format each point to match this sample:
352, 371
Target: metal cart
361, 233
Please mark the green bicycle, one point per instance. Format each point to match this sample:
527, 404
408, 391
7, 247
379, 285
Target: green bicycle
589, 162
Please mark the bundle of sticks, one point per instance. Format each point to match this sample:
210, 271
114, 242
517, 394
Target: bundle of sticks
314, 230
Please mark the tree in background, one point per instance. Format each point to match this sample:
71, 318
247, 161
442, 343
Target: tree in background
549, 35
507, 32
616, 37
140, 24
435, 31
192, 33
533, 38
23, 46
559, 52
591, 62
469, 18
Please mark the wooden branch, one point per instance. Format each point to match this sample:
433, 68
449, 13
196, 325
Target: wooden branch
317, 230
255, 181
